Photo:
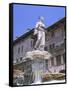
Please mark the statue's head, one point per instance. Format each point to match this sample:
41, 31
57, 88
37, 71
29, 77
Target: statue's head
41, 18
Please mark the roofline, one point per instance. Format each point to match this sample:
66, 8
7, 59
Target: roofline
56, 23
31, 31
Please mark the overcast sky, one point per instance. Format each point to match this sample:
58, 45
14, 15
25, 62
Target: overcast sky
26, 16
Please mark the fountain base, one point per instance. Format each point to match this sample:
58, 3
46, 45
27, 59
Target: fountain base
38, 59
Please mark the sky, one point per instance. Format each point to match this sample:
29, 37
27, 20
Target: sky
26, 16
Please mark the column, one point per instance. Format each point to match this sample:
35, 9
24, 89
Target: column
62, 61
49, 63
55, 63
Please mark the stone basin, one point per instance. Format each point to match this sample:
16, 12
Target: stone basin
37, 54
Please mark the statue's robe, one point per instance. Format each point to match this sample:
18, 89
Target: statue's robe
39, 30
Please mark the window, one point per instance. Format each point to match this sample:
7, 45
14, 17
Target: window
64, 57
18, 50
22, 49
46, 64
20, 58
16, 60
52, 61
52, 46
58, 60
45, 48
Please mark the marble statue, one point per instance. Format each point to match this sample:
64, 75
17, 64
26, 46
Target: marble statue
40, 32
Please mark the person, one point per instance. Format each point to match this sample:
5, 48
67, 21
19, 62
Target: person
40, 32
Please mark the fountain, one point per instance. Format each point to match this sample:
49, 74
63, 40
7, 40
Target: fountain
38, 55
